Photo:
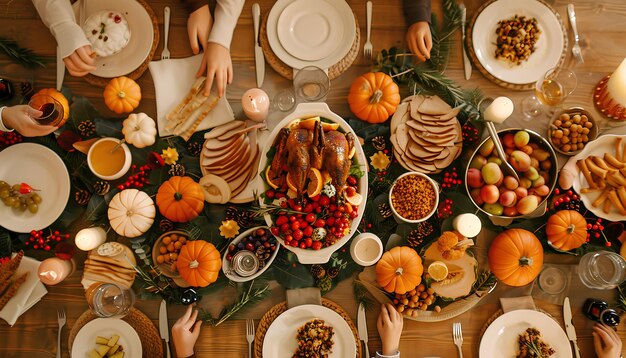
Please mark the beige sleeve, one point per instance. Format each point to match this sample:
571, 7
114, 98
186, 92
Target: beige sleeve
58, 16
226, 15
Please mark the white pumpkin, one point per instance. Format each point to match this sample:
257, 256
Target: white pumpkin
108, 32
131, 212
139, 130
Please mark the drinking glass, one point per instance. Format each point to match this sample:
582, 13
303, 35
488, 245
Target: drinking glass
283, 100
551, 90
109, 300
602, 270
51, 110
552, 280
311, 84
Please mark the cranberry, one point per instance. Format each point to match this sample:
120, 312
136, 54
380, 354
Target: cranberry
302, 245
354, 214
316, 245
274, 230
351, 180
281, 220
324, 200
279, 195
297, 207
330, 221
318, 210
308, 242
350, 191
297, 234
284, 227
293, 218
310, 218
315, 198
333, 207
260, 232
308, 231
320, 222
295, 225
270, 194
337, 214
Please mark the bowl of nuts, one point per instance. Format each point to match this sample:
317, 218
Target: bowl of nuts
165, 254
250, 254
403, 194
571, 129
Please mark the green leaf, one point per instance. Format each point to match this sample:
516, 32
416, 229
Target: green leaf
293, 275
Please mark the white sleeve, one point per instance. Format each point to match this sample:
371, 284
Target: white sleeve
380, 355
58, 16
225, 19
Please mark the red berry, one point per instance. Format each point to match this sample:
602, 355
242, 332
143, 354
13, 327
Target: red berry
310, 218
316, 245
308, 242
281, 220
351, 180
608, 244
25, 188
308, 231
324, 200
350, 191
330, 221
320, 222
315, 198
297, 234
295, 225
274, 230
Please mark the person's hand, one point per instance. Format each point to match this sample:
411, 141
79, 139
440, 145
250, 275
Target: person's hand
389, 326
217, 63
606, 341
21, 119
185, 332
419, 40
198, 28
81, 61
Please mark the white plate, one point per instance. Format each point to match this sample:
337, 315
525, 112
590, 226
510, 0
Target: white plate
280, 339
42, 169
85, 340
345, 43
549, 46
603, 144
226, 264
139, 45
500, 338
310, 29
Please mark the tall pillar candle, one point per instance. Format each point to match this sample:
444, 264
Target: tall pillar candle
54, 270
499, 110
617, 84
90, 238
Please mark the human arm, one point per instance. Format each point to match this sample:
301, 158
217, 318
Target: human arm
418, 36
185, 333
606, 341
19, 118
389, 326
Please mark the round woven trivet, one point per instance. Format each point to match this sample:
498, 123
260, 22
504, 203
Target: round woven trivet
275, 311
150, 340
492, 78
102, 81
286, 71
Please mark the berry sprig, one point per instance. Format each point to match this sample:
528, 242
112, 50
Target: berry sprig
596, 231
444, 210
138, 178
39, 241
10, 138
566, 201
469, 133
451, 179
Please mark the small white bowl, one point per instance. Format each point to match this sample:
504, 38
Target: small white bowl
366, 249
430, 213
128, 159
226, 266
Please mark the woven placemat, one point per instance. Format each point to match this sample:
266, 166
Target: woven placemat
151, 344
275, 311
470, 49
102, 81
286, 71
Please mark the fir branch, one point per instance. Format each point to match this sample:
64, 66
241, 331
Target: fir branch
24, 56
249, 295
361, 296
485, 281
621, 297
272, 209
442, 35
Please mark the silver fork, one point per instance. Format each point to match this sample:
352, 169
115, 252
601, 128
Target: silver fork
576, 51
166, 24
61, 318
457, 334
367, 48
250, 335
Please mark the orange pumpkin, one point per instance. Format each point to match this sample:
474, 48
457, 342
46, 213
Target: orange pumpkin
180, 199
399, 270
566, 230
374, 97
516, 257
122, 95
61, 99
199, 263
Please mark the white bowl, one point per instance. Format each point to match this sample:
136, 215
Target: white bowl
432, 211
358, 244
226, 266
125, 167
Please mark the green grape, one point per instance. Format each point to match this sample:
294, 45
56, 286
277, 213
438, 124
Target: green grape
9, 201
4, 193
33, 208
29, 201
16, 204
3, 183
36, 198
23, 206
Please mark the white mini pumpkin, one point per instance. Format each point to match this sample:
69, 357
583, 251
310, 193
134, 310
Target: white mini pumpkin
131, 212
139, 130
108, 32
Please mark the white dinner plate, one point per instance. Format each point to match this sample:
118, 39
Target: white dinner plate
42, 169
85, 340
500, 338
345, 42
310, 29
141, 37
549, 46
603, 144
280, 339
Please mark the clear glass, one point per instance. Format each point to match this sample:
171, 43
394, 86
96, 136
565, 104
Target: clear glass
551, 90
109, 300
552, 280
311, 84
602, 270
284, 100
51, 110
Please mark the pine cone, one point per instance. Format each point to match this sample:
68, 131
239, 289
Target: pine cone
416, 236
86, 128
176, 170
384, 210
166, 225
262, 253
245, 219
379, 142
333, 272
194, 148
232, 213
26, 89
82, 197
318, 271
325, 284
101, 187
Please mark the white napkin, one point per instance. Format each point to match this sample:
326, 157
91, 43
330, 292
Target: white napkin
172, 81
27, 295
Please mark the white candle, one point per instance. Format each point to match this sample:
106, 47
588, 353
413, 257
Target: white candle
54, 270
500, 109
617, 84
90, 238
256, 104
468, 225
366, 249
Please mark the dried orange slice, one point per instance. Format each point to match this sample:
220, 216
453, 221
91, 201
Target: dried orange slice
316, 183
268, 180
355, 199
438, 270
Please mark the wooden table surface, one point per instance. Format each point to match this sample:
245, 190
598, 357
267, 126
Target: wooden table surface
603, 28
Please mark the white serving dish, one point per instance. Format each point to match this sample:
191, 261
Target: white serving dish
226, 266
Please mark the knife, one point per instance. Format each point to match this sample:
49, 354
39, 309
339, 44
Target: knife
60, 70
259, 60
164, 328
467, 65
569, 325
362, 323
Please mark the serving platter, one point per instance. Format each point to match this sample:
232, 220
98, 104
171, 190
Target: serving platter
85, 340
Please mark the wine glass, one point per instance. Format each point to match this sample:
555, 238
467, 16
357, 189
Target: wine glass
51, 110
551, 90
109, 300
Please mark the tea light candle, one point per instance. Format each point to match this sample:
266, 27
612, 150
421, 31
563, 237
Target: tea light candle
54, 270
256, 104
366, 249
617, 84
499, 110
468, 225
90, 238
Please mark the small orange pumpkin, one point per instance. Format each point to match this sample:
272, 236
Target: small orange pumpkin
399, 270
566, 230
199, 263
373, 97
516, 257
180, 199
61, 99
122, 95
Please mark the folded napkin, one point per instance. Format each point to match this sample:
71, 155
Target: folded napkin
172, 81
304, 296
517, 303
31, 291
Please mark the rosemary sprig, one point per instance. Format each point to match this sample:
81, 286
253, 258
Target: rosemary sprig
259, 211
24, 56
249, 295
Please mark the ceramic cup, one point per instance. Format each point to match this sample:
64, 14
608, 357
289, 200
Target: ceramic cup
366, 249
124, 168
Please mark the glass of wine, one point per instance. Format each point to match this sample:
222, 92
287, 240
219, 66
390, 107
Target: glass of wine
51, 110
551, 90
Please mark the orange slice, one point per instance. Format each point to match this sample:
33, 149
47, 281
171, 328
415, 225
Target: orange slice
355, 199
269, 180
309, 124
316, 183
290, 184
326, 177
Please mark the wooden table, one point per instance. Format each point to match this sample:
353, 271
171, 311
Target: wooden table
603, 28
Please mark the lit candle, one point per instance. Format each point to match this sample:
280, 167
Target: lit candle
617, 84
90, 238
54, 270
500, 109
366, 249
255, 104
468, 225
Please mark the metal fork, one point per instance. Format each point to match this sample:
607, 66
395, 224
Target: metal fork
165, 55
250, 335
61, 318
576, 51
367, 48
457, 334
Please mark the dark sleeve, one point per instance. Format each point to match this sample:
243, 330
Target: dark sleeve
416, 11
193, 5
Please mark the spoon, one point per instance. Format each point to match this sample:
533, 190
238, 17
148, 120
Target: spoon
498, 110
118, 145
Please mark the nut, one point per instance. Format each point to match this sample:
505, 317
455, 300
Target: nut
413, 197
